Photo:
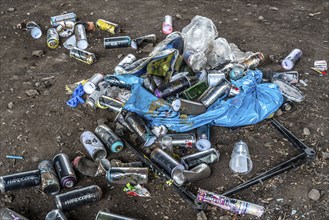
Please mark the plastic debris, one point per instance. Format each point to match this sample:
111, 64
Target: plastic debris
136, 190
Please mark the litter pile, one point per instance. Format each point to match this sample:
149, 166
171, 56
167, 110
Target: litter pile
191, 80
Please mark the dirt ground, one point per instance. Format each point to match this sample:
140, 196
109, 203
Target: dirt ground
39, 127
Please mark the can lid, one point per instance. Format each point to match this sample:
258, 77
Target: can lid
203, 144
176, 104
287, 64
89, 87
36, 33
82, 44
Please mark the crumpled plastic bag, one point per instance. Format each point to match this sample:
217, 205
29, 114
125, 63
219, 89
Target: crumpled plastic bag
219, 53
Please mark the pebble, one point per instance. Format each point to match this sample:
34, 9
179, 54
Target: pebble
178, 16
120, 55
306, 132
32, 93
102, 121
38, 53
10, 105
325, 155
314, 194
201, 216
11, 9
165, 217
274, 8
260, 18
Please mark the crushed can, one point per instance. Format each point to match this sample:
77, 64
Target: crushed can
83, 55
49, 180
208, 157
64, 170
20, 180
124, 175
93, 145
109, 138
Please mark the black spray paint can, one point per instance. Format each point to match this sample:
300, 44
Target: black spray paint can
49, 180
78, 197
117, 42
64, 170
19, 180
208, 157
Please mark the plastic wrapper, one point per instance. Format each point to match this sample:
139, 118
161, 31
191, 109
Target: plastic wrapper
137, 190
219, 53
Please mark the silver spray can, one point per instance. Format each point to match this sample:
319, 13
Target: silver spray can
96, 94
203, 135
124, 175
201, 171
216, 92
289, 62
188, 107
214, 77
49, 180
119, 69
91, 85
101, 215
81, 36
55, 214
109, 138
54, 20
93, 145
208, 157
8, 214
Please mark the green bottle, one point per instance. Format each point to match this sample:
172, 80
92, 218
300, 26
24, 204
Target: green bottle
195, 91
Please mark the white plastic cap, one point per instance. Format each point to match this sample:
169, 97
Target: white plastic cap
287, 64
89, 87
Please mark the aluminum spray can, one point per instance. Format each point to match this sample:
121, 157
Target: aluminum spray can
78, 197
188, 107
101, 215
208, 157
119, 69
107, 26
52, 38
289, 62
138, 125
109, 138
91, 85
49, 180
8, 214
203, 136
201, 171
180, 139
110, 103
253, 60
19, 180
214, 77
233, 205
93, 145
81, 36
216, 92
55, 214
124, 175
117, 42
64, 170
195, 91
93, 98
83, 55
114, 81
54, 20
167, 25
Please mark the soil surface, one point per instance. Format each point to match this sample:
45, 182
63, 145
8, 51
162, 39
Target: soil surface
38, 127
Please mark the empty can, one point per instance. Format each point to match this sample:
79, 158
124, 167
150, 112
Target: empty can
216, 92
124, 175
64, 170
109, 138
119, 69
83, 55
101, 215
289, 62
52, 38
208, 157
8, 214
55, 214
81, 36
117, 42
107, 26
93, 145
181, 139
90, 86
19, 180
188, 107
54, 20
49, 180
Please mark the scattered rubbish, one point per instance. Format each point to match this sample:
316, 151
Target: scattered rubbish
215, 93
129, 59
70, 42
90, 86
52, 38
291, 77
76, 97
78, 197
82, 55
207, 156
137, 190
64, 170
186, 140
147, 39
107, 26
314, 194
188, 107
93, 145
55, 20
240, 160
49, 181
289, 62
14, 157
101, 215
167, 25
8, 214
35, 29
81, 36
289, 91
321, 65
109, 138
119, 42
19, 180
65, 28
233, 205
119, 163
124, 175
199, 172
87, 167
55, 214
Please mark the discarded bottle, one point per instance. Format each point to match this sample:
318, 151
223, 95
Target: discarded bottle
195, 91
64, 170
124, 175
78, 197
83, 56
8, 214
240, 160
93, 145
109, 138
167, 25
207, 156
188, 107
233, 205
81, 36
216, 93
119, 69
101, 215
19, 180
174, 87
107, 26
92, 83
49, 180
179, 139
289, 62
253, 61
52, 38
55, 214
203, 135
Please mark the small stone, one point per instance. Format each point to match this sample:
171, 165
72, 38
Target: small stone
35, 159
178, 16
11, 9
271, 57
225, 217
7, 198
102, 121
32, 93
81, 129
38, 53
314, 194
201, 216
278, 112
325, 155
306, 132
145, 206
274, 8
120, 56
165, 217
260, 18
69, 134
10, 105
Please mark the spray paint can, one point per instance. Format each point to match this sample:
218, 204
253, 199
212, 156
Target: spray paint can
83, 55
110, 216
180, 139
107, 26
195, 91
55, 214
188, 107
237, 72
208, 157
199, 172
233, 205
93, 145
151, 38
117, 42
167, 25
216, 92
253, 60
109, 138
203, 135
166, 162
119, 69
64, 170
111, 103
49, 180
35, 29
93, 98
19, 180
90, 86
54, 21
124, 175
8, 214
289, 62
214, 77
138, 125
114, 81
52, 38
81, 36
78, 197
176, 86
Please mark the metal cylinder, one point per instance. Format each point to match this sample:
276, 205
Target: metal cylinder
64, 170
52, 38
93, 98
107, 26
216, 92
19, 180
208, 157
90, 86
110, 103
203, 136
199, 172
117, 42
119, 163
93, 145
83, 55
119, 69
8, 214
54, 20
165, 161
289, 62
101, 215
81, 36
214, 77
109, 138
55, 214
124, 175
78, 197
181, 139
188, 107
49, 180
